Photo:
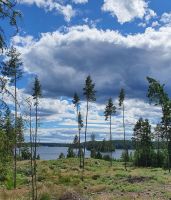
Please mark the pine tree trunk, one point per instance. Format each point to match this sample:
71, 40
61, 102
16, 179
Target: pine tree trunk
158, 147
168, 151
15, 135
111, 139
169, 154
85, 137
35, 152
31, 159
124, 135
79, 137
80, 147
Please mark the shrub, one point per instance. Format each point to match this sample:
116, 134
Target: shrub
45, 196
70, 153
61, 156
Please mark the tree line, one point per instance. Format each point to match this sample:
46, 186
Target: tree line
12, 123
12, 120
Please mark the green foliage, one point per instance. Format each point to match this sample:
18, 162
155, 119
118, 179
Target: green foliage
142, 138
10, 14
110, 109
36, 89
70, 153
89, 91
45, 196
5, 157
125, 156
76, 100
61, 156
102, 146
12, 66
76, 142
80, 121
38, 157
121, 97
156, 93
25, 153
20, 130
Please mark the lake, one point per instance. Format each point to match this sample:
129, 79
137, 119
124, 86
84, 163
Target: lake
52, 153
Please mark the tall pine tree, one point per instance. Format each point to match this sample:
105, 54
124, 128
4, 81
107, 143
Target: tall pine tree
109, 111
121, 104
36, 95
12, 68
89, 93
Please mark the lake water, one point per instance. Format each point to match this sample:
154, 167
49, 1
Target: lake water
52, 153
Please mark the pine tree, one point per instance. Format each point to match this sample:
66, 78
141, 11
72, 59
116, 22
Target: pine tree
29, 102
36, 95
89, 93
20, 134
8, 12
121, 104
9, 130
80, 125
12, 69
76, 143
76, 102
156, 94
109, 111
142, 138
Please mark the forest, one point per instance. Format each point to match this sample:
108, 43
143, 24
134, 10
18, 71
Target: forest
23, 175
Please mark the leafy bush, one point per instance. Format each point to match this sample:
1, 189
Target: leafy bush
61, 156
152, 159
125, 156
25, 153
45, 196
70, 153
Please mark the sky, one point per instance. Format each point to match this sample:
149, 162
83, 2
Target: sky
118, 42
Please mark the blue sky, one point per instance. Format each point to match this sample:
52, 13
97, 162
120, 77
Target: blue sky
117, 42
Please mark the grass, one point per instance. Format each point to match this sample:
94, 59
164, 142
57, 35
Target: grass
101, 182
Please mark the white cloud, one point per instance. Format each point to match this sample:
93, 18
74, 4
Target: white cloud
149, 14
142, 24
80, 1
128, 10
70, 56
155, 23
166, 18
50, 5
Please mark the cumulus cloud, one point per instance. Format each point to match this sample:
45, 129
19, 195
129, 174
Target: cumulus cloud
64, 59
128, 10
50, 5
166, 18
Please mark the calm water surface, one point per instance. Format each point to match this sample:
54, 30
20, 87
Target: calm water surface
52, 153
